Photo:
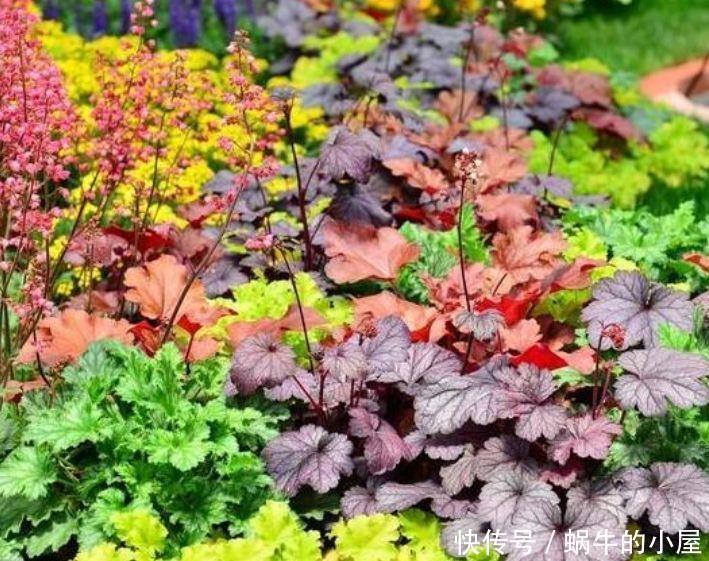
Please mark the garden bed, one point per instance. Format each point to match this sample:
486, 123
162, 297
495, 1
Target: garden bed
391, 290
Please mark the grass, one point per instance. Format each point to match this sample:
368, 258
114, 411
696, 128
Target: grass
640, 37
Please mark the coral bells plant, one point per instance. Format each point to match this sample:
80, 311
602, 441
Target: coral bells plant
36, 125
94, 246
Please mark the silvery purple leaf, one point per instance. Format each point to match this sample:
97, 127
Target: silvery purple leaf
504, 454
656, 378
389, 346
453, 534
548, 528
453, 400
483, 325
383, 447
640, 307
542, 420
346, 361
447, 507
292, 387
426, 361
346, 154
310, 456
584, 436
673, 495
551, 104
460, 474
393, 497
358, 501
261, 360
503, 497
597, 494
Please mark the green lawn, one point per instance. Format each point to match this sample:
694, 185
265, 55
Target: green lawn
638, 38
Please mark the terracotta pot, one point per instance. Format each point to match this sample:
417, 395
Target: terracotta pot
671, 86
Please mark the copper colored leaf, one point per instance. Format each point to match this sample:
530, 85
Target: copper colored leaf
65, 337
358, 252
527, 255
156, 288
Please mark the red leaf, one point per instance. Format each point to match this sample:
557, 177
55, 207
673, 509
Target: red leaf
148, 337
541, 356
150, 239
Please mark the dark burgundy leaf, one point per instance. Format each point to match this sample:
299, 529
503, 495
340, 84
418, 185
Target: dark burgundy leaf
656, 378
346, 154
639, 306
222, 276
505, 496
355, 204
673, 495
584, 436
310, 456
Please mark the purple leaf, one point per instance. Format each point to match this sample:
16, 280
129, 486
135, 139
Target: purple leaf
453, 531
392, 497
503, 497
353, 203
451, 401
346, 154
483, 325
447, 507
309, 456
291, 388
658, 377
449, 447
383, 447
598, 494
584, 436
524, 396
628, 299
426, 361
504, 454
358, 501
389, 346
673, 495
345, 361
261, 360
460, 474
222, 276
548, 529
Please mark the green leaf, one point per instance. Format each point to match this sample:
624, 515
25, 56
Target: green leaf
51, 536
422, 529
183, 447
27, 472
75, 422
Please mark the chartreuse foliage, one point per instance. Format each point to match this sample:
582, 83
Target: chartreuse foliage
676, 153
438, 254
655, 243
275, 533
125, 431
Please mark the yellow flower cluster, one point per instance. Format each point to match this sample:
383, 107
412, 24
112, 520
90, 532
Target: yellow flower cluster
535, 7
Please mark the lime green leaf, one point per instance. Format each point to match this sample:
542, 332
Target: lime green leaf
140, 529
367, 537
